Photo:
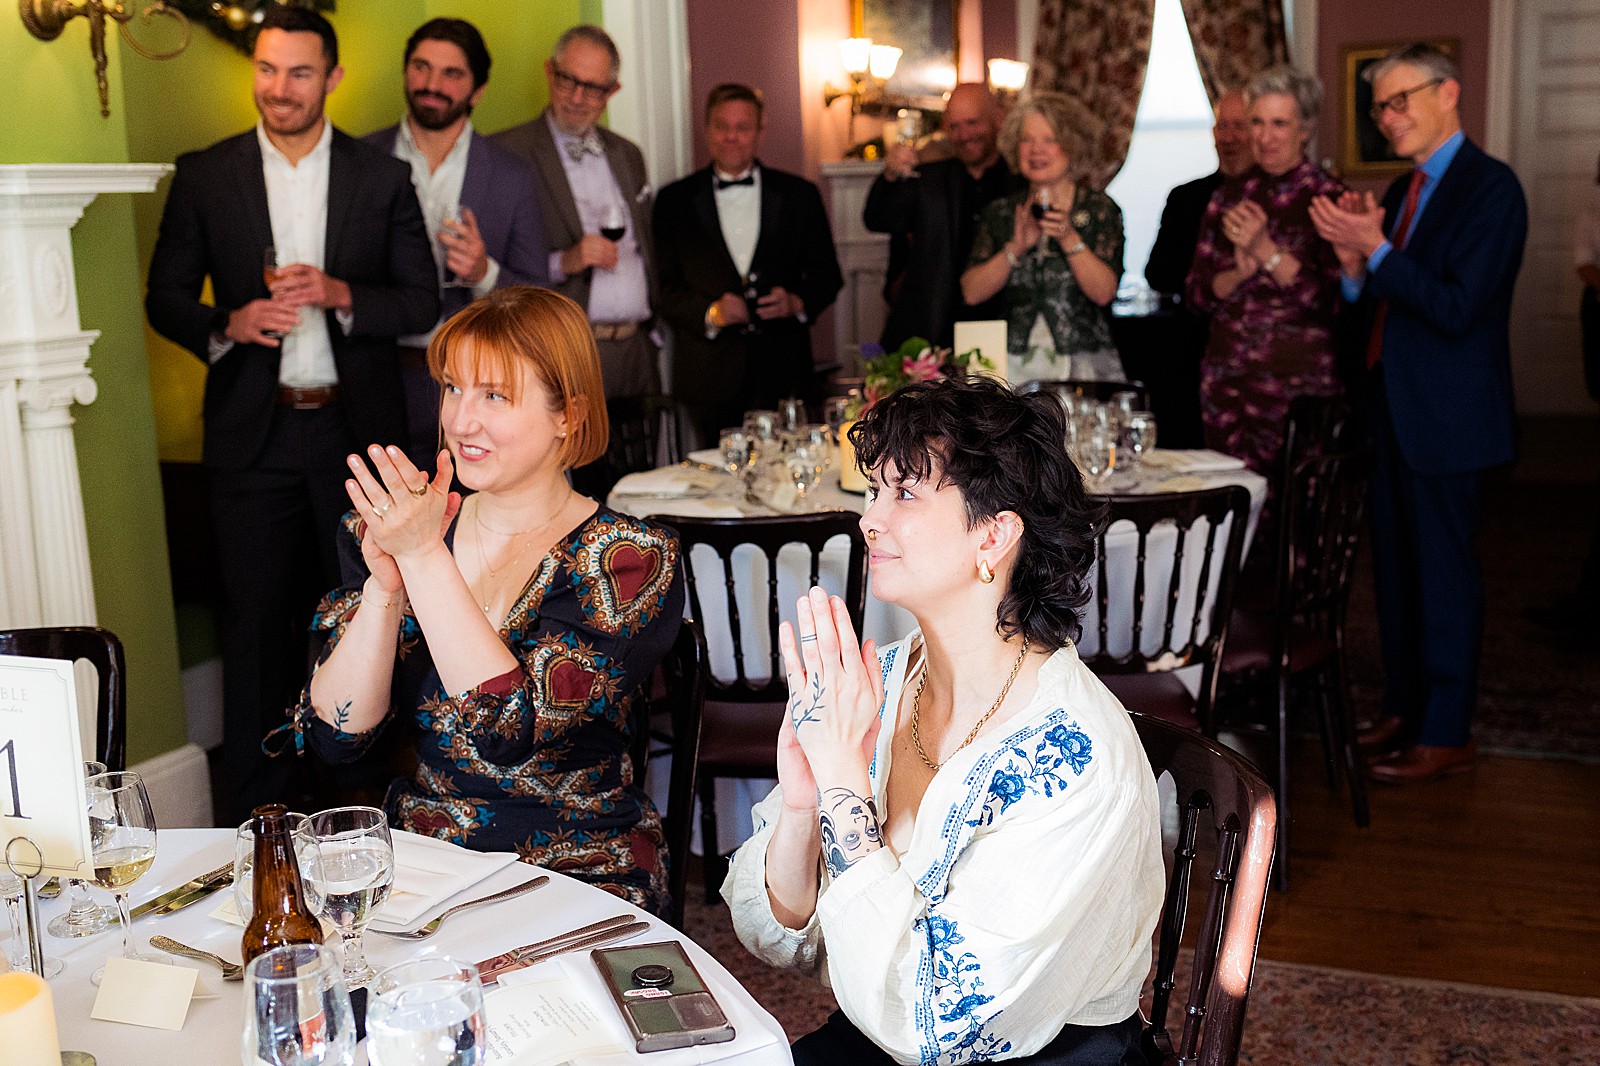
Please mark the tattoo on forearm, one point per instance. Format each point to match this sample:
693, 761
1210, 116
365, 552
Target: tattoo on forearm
341, 717
850, 828
812, 700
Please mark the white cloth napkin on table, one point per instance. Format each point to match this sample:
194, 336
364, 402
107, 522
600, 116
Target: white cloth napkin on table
427, 873
1191, 461
685, 481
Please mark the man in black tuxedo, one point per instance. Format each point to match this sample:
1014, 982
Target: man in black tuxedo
935, 206
1178, 382
302, 369
732, 227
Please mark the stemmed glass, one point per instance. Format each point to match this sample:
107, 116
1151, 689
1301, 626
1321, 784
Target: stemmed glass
85, 917
1097, 454
19, 958
297, 1009
427, 1011
738, 452
613, 222
271, 263
357, 874
1041, 204
1139, 436
306, 853
454, 221
805, 460
122, 830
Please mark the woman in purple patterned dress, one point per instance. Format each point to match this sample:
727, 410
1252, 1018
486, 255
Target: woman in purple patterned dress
512, 633
1269, 282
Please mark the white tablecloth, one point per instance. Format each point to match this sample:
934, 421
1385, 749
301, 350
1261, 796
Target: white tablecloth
720, 495
210, 1037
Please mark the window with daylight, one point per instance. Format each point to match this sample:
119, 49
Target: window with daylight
1171, 141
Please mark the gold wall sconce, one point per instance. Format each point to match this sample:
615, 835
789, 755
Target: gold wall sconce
1007, 78
869, 66
45, 19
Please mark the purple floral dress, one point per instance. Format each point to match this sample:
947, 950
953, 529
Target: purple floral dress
1269, 343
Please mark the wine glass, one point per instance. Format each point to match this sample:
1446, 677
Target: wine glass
19, 958
738, 451
1097, 454
122, 829
805, 460
271, 263
356, 876
613, 222
297, 1009
791, 413
427, 1011
454, 221
1139, 436
1040, 205
762, 425
85, 917
306, 853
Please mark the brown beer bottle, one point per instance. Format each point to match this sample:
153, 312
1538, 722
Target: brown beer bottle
279, 912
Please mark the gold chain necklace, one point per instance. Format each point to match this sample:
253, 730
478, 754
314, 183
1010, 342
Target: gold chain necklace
483, 559
916, 704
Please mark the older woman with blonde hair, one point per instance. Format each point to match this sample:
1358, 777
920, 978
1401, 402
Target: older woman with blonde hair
1055, 249
511, 631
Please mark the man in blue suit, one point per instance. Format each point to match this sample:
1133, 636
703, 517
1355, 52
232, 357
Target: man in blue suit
496, 238
1433, 273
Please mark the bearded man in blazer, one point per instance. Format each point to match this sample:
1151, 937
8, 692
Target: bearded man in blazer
1432, 273
732, 227
302, 371
584, 170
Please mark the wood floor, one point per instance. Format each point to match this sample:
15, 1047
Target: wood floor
1491, 878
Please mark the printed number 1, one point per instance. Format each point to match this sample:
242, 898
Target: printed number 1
10, 752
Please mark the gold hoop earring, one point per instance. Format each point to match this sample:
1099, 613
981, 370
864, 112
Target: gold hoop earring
985, 573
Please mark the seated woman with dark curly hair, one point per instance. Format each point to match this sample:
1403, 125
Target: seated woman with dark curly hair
965, 835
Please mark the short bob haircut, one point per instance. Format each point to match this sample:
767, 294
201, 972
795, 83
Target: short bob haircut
1076, 130
523, 329
1004, 451
1285, 80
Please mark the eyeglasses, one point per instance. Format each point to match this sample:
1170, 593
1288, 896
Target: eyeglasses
578, 87
1398, 102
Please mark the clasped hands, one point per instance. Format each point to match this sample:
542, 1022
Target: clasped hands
1054, 224
297, 285
777, 303
1353, 225
405, 513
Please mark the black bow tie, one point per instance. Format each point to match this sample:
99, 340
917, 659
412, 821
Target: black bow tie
748, 179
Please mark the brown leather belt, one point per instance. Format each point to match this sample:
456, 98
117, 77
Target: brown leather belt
307, 397
614, 331
416, 357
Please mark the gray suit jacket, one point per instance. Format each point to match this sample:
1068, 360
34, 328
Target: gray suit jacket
502, 191
533, 141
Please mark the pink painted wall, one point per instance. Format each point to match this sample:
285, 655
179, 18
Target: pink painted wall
758, 44
1369, 22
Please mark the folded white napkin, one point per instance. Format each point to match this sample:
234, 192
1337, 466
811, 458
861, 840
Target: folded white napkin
428, 872
1191, 461
709, 456
684, 481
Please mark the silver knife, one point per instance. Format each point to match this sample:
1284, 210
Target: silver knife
590, 936
208, 881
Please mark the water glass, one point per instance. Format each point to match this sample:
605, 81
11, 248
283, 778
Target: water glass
356, 876
738, 451
427, 1012
836, 412
297, 1009
122, 830
762, 426
791, 413
1125, 403
306, 853
1097, 455
454, 222
1139, 436
805, 460
85, 917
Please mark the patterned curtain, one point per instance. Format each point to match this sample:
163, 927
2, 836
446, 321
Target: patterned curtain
1096, 50
1234, 39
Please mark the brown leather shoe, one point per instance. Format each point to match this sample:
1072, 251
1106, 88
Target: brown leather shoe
1379, 733
1421, 762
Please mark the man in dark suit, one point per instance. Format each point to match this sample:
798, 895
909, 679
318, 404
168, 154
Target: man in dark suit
936, 206
747, 265
496, 238
585, 173
1176, 386
1434, 273
302, 368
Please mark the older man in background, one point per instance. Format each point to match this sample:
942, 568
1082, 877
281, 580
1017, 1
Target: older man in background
936, 206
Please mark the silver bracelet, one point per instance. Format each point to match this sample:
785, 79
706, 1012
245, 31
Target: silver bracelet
1011, 257
1272, 264
1076, 248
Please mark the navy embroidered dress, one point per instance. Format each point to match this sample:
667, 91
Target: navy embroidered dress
536, 761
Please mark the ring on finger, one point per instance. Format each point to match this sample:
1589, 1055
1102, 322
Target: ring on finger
418, 492
809, 638
383, 508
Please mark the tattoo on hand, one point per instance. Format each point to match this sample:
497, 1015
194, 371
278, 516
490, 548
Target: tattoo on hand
809, 714
850, 828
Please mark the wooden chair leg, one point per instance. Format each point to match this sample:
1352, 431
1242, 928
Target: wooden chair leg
1345, 730
1280, 873
713, 862
1331, 752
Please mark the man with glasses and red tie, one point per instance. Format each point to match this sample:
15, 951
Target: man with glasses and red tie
594, 195
1433, 274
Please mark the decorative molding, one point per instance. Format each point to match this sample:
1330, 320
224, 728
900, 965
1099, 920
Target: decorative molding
1500, 99
652, 108
860, 312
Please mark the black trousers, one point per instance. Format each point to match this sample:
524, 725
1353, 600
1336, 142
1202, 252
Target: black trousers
839, 1042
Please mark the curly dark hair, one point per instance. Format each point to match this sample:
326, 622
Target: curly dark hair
1004, 451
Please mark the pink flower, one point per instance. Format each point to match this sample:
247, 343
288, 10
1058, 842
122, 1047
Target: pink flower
925, 367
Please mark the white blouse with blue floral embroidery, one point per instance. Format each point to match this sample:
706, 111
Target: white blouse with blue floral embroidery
1026, 899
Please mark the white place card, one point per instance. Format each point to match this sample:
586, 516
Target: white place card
144, 993
541, 1023
989, 337
41, 765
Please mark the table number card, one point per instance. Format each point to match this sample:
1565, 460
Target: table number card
989, 338
41, 764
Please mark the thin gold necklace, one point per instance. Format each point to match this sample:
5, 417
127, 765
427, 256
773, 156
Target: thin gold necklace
916, 704
483, 559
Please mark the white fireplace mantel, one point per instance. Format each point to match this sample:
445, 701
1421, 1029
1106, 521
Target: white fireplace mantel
44, 371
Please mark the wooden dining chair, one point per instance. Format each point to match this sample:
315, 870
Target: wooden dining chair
1094, 390
104, 652
1300, 637
1210, 522
739, 731
671, 712
1217, 812
646, 432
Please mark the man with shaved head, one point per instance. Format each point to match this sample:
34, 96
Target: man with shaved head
935, 206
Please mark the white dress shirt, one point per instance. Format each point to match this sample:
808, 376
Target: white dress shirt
739, 213
439, 191
297, 201
621, 294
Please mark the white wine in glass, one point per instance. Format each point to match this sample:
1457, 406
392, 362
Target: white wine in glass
123, 830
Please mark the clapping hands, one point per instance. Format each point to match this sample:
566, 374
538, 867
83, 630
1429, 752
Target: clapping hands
1353, 225
835, 692
404, 512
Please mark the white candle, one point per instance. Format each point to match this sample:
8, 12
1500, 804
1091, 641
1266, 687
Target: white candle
27, 1021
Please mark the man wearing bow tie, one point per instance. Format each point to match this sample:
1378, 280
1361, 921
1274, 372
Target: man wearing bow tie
592, 180
747, 265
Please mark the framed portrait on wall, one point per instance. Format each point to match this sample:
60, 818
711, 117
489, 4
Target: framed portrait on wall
927, 32
1365, 152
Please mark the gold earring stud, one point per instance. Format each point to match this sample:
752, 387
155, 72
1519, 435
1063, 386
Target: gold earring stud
985, 573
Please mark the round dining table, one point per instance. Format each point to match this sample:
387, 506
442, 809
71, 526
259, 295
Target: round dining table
211, 1033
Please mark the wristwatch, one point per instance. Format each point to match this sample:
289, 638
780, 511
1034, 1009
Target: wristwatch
1272, 263
1011, 257
1076, 248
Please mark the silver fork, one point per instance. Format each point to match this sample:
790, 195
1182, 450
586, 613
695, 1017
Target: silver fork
231, 971
433, 927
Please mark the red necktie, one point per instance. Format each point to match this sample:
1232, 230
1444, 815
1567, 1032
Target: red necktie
1398, 240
